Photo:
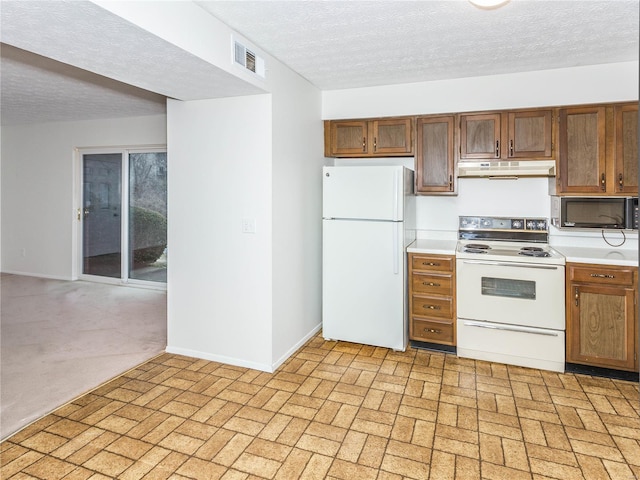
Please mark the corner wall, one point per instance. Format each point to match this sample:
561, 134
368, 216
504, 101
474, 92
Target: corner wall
219, 279
297, 211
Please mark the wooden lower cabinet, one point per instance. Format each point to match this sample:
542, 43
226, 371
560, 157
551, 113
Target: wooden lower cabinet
432, 305
601, 316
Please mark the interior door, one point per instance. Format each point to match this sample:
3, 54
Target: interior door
102, 214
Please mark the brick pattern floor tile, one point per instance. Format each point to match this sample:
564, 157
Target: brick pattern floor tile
337, 410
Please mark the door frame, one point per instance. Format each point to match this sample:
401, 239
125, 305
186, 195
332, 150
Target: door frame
77, 233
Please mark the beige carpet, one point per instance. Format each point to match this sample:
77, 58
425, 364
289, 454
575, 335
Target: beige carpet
61, 339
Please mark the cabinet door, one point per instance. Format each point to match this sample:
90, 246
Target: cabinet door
480, 136
626, 170
392, 136
349, 137
601, 326
530, 134
434, 155
582, 150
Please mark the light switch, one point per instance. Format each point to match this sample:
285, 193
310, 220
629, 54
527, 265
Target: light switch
248, 225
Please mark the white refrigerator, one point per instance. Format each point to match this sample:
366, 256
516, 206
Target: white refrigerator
368, 221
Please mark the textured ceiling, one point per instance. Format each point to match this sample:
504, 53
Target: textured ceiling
346, 44
36, 85
334, 44
109, 49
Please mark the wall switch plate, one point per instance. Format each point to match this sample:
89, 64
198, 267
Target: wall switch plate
248, 225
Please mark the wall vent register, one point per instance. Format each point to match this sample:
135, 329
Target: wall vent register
248, 59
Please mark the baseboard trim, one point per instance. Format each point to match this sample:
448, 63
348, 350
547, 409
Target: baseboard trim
237, 362
38, 275
296, 347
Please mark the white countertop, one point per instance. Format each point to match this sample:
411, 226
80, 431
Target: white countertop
601, 256
433, 246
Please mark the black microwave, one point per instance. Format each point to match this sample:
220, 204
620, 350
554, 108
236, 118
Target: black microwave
595, 212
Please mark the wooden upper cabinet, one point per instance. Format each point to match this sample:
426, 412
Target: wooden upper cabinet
582, 150
517, 134
598, 150
626, 164
369, 138
480, 136
392, 136
349, 137
530, 134
435, 160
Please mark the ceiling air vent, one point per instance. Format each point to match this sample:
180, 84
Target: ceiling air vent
249, 60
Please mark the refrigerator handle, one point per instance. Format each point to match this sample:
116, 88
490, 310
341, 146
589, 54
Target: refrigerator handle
396, 194
396, 247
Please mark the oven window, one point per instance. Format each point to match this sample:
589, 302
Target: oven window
507, 287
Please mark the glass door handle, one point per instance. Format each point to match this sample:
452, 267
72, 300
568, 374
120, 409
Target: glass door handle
81, 212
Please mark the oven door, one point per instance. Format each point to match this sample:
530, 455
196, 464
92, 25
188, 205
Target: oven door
513, 293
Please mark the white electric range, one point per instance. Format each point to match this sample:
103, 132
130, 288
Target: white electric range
510, 293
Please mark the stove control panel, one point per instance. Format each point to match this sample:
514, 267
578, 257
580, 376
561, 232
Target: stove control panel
502, 223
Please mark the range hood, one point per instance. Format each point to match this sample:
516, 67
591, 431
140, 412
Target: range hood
508, 169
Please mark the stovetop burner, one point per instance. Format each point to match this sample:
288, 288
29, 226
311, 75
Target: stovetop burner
532, 252
478, 246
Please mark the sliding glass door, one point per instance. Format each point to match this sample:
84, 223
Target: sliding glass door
148, 216
102, 225
124, 215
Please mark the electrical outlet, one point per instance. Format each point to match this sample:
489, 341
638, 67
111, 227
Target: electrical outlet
248, 225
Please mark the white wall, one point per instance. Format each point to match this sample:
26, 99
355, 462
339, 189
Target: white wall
593, 84
219, 279
599, 83
297, 211
39, 226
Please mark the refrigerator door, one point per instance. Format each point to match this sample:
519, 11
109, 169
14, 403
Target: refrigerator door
365, 192
364, 278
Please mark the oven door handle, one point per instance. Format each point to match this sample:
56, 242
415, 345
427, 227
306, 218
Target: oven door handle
511, 328
508, 264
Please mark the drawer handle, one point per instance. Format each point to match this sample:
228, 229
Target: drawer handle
431, 284
433, 330
431, 264
432, 307
602, 275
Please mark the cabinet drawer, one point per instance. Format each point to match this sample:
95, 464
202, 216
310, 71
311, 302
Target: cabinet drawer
431, 306
601, 274
432, 284
432, 263
432, 331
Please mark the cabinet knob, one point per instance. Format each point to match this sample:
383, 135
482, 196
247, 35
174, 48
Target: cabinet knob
451, 183
620, 181
364, 144
603, 182
576, 296
375, 144
602, 275
497, 148
511, 148
432, 307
